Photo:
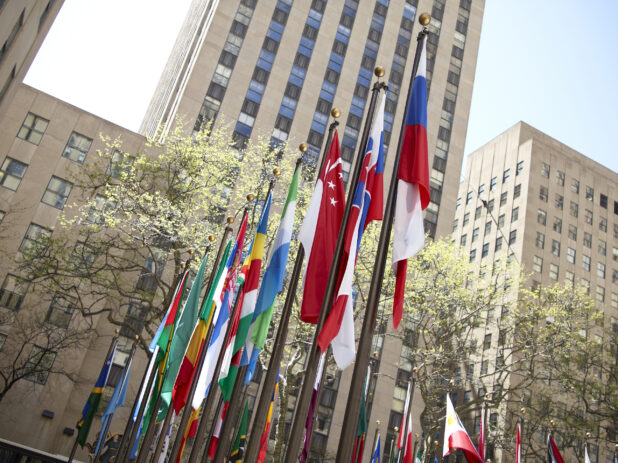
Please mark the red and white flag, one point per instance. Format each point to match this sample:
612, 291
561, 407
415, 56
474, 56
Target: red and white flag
318, 233
408, 456
456, 437
412, 185
482, 433
402, 428
518, 444
553, 454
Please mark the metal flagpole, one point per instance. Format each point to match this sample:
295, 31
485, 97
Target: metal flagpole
112, 345
364, 345
311, 365
120, 384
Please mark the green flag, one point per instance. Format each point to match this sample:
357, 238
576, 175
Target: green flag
238, 450
180, 340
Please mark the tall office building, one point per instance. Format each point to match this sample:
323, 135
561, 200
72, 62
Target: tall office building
550, 208
23, 26
274, 68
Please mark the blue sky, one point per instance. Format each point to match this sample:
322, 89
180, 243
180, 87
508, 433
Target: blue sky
550, 63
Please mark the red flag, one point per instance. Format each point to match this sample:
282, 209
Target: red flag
553, 454
408, 457
319, 231
518, 444
212, 447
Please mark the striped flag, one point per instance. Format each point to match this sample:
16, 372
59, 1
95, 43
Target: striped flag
376, 452
238, 450
456, 437
518, 444
272, 281
366, 207
190, 431
92, 404
214, 440
222, 317
408, 455
402, 428
553, 454
265, 434
482, 433
412, 185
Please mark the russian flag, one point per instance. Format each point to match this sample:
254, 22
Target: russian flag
412, 184
367, 206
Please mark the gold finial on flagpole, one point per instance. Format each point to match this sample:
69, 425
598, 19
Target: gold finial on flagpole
303, 147
276, 172
211, 238
424, 19
250, 197
379, 71
335, 113
230, 220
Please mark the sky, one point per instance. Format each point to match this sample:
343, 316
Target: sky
550, 63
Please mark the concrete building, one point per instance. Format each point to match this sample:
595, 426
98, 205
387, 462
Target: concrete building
23, 26
256, 65
550, 208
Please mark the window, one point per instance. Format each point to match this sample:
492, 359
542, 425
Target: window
541, 217
586, 263
490, 205
601, 270
589, 193
57, 192
472, 255
600, 294
485, 250
458, 205
517, 191
513, 237
13, 291
570, 277
487, 341
484, 367
493, 183
77, 147
11, 173
537, 264
515, 214
573, 232
119, 164
574, 209
560, 178
520, 168
540, 240
603, 201
588, 216
555, 248
39, 364
60, 311
475, 234
587, 240
100, 206
570, 255
36, 236
585, 284
455, 223
466, 218
602, 248
481, 189
498, 243
559, 201
575, 186
503, 197
614, 302
463, 239
33, 128
477, 213
488, 228
506, 175
557, 226
545, 170
543, 194
500, 220
603, 225
553, 271
468, 197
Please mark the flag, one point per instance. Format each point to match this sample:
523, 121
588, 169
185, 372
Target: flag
402, 428
92, 404
190, 431
166, 442
182, 335
482, 433
455, 435
418, 457
221, 316
250, 288
366, 207
553, 454
518, 444
376, 453
312, 406
238, 449
412, 185
586, 456
117, 400
194, 350
265, 434
272, 281
214, 440
408, 454
318, 233
361, 425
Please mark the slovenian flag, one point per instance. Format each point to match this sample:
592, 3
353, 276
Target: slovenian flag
456, 437
272, 281
366, 207
412, 185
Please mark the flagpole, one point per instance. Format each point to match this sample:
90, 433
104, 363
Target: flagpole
416, 437
270, 379
120, 384
202, 357
364, 344
112, 345
375, 440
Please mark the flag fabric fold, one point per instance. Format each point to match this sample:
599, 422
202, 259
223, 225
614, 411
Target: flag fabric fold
408, 454
214, 440
238, 449
311, 411
456, 437
404, 422
92, 404
412, 185
376, 452
366, 207
518, 444
266, 433
553, 454
319, 231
